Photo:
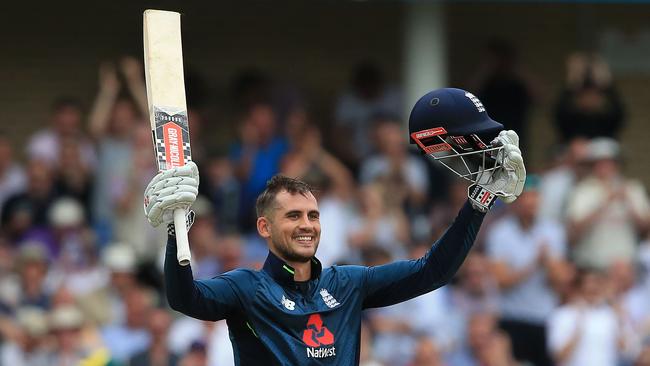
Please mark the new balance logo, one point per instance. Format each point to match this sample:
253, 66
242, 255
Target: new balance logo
291, 305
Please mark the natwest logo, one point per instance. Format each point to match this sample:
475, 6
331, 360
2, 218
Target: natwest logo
316, 335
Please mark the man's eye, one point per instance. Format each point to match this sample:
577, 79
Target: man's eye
314, 216
293, 216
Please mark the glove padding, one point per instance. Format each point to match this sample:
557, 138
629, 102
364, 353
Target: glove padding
507, 182
169, 190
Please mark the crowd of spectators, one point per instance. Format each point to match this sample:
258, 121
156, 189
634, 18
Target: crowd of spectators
560, 277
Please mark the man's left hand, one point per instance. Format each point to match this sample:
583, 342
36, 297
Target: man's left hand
506, 182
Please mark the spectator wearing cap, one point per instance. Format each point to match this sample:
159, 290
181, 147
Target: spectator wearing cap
607, 212
527, 254
32, 267
66, 323
119, 259
26, 343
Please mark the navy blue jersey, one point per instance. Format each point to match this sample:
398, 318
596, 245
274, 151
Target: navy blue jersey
274, 320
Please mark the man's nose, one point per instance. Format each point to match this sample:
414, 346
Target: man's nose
305, 223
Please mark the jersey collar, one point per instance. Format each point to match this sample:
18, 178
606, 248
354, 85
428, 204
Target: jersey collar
283, 272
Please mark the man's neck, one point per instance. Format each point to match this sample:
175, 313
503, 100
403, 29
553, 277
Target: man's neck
303, 271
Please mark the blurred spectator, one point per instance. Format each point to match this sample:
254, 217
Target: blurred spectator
444, 212
393, 163
224, 193
607, 212
309, 161
74, 247
24, 210
476, 290
26, 346
158, 352
186, 333
586, 331
114, 122
119, 260
558, 182
12, 175
65, 123
66, 323
74, 178
230, 253
381, 221
481, 327
497, 351
32, 265
336, 212
527, 255
257, 157
506, 89
204, 239
126, 339
197, 355
644, 357
334, 183
367, 96
398, 333
589, 106
366, 354
426, 354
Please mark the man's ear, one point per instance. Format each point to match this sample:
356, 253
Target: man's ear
264, 227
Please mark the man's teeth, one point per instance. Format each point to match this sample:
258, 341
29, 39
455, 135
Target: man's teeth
303, 238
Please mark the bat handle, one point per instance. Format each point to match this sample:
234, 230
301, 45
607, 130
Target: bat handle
182, 243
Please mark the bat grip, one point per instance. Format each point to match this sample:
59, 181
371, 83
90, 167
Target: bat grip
182, 243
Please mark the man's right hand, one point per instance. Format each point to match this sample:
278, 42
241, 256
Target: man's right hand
169, 190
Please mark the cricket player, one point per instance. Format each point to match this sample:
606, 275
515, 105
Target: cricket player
293, 311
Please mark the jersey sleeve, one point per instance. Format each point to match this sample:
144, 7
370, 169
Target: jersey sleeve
212, 299
402, 280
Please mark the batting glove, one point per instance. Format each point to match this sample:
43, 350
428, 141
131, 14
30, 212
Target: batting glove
507, 182
169, 190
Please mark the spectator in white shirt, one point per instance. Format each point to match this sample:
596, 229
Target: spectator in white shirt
607, 211
527, 255
586, 331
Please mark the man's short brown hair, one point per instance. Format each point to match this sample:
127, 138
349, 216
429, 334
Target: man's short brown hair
276, 185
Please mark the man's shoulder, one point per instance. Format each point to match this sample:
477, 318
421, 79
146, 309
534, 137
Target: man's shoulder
346, 271
240, 274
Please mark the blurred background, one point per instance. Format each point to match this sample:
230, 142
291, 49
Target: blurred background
322, 90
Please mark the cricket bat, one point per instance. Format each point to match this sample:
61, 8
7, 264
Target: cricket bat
163, 64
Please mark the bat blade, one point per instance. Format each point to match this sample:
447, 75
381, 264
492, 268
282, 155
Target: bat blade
163, 61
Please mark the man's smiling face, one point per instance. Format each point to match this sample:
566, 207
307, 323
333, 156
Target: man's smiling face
292, 226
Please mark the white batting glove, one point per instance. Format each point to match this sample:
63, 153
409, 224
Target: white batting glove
506, 182
169, 190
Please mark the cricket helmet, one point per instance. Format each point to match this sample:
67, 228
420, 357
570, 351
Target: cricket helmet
452, 127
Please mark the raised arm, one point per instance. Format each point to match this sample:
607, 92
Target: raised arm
210, 299
402, 280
